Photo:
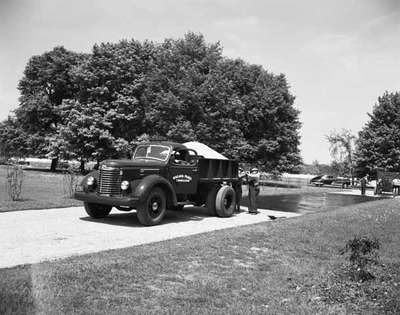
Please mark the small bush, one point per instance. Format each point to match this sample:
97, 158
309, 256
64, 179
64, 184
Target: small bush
363, 252
14, 180
70, 181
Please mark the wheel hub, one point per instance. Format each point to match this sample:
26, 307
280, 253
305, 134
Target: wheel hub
227, 201
154, 206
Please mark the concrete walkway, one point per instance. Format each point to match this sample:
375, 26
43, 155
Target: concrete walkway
37, 235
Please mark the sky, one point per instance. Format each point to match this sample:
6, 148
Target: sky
338, 56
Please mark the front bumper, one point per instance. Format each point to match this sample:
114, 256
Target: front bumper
106, 200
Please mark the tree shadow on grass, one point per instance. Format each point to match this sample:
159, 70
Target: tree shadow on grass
129, 219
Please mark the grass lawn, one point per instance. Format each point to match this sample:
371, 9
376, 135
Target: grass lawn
288, 266
40, 190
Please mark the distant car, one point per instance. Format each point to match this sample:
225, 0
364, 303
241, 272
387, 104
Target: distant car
322, 180
343, 181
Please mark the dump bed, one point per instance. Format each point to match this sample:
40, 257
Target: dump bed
218, 170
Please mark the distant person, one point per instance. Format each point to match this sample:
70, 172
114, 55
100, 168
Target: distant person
253, 180
363, 184
396, 186
379, 187
238, 187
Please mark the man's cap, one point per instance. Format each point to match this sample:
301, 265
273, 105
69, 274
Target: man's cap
254, 169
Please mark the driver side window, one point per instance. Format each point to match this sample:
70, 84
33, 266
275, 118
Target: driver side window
182, 157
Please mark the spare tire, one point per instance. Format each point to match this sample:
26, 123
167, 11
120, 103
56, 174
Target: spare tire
225, 202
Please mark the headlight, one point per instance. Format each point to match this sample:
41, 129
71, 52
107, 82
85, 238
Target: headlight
124, 185
90, 181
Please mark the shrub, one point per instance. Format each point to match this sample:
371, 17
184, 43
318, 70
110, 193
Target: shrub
71, 180
363, 252
14, 180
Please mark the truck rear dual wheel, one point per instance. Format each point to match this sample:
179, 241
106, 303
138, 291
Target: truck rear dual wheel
152, 210
221, 201
225, 202
97, 211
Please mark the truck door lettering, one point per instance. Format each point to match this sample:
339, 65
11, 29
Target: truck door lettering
182, 178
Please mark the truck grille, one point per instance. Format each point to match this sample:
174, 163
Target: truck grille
110, 182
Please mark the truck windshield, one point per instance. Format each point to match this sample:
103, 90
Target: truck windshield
152, 152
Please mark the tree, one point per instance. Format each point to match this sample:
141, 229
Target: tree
105, 115
342, 151
177, 96
14, 141
378, 144
315, 167
240, 110
99, 105
85, 133
46, 83
269, 122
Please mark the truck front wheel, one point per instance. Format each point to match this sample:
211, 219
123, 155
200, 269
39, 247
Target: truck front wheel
97, 211
225, 201
152, 210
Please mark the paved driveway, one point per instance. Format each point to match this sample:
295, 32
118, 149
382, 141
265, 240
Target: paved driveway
36, 235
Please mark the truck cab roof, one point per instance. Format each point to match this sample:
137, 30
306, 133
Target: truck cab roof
173, 145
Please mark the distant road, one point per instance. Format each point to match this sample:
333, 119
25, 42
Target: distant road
34, 236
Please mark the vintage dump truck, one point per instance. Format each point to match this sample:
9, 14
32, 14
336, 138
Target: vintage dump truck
160, 176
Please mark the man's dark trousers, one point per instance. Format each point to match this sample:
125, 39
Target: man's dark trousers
253, 193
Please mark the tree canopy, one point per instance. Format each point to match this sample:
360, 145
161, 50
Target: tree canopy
98, 105
378, 145
45, 84
342, 151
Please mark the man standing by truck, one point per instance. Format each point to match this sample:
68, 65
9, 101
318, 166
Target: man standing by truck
363, 184
253, 180
238, 187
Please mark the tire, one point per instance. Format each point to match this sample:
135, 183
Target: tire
153, 209
225, 202
211, 198
97, 211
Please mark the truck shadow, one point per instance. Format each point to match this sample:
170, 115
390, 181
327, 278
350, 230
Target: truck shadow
129, 219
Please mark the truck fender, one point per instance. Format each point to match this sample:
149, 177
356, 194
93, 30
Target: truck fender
95, 174
149, 182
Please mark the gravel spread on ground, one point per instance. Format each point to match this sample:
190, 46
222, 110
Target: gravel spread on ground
35, 236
